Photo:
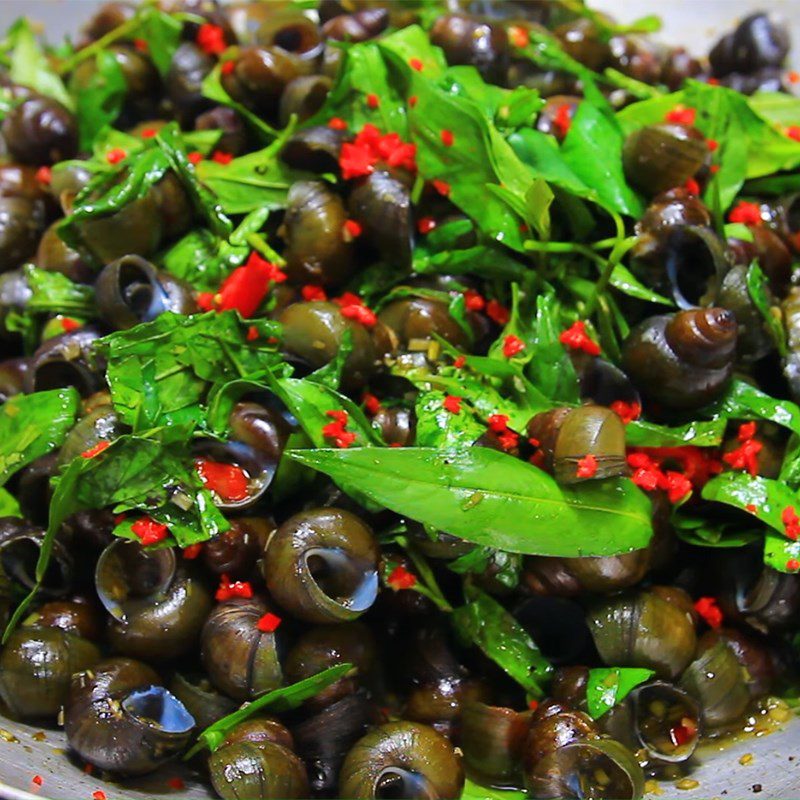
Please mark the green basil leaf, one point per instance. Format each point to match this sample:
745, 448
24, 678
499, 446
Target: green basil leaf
757, 288
593, 151
766, 498
279, 700
472, 791
625, 281
54, 293
252, 182
641, 433
505, 566
29, 65
32, 425
744, 401
437, 427
160, 372
778, 108
162, 32
204, 202
9, 507
490, 498
609, 686
780, 551
363, 72
99, 102
486, 624
703, 532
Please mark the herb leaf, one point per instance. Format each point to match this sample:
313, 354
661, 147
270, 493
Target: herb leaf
485, 623
32, 425
283, 699
160, 372
490, 498
609, 686
31, 67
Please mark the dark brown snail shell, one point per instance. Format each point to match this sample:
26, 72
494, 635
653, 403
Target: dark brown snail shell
119, 719
324, 738
382, 205
66, 360
414, 758
131, 290
492, 738
753, 340
157, 608
661, 157
357, 27
322, 565
683, 360
643, 630
686, 262
314, 149
316, 247
240, 660
259, 76
470, 40
567, 435
716, 681
791, 361
569, 577
303, 97
36, 665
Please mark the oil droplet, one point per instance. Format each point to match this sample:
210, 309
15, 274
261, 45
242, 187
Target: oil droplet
39, 736
652, 786
747, 758
686, 784
7, 736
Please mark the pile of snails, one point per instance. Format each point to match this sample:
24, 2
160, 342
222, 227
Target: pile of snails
136, 650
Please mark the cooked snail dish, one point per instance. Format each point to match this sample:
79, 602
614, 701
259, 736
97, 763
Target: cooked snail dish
398, 400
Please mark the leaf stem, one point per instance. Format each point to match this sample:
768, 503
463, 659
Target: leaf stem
259, 243
98, 45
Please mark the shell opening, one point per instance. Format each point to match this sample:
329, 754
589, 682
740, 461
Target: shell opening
157, 707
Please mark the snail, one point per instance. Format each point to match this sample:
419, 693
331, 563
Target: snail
684, 360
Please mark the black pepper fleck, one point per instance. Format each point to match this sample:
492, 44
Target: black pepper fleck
756, 788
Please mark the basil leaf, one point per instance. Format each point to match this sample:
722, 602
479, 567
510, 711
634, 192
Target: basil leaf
54, 293
703, 532
625, 281
29, 65
744, 401
481, 156
486, 624
593, 151
641, 433
490, 498
99, 101
609, 686
505, 566
780, 551
776, 107
162, 32
160, 372
204, 202
766, 498
437, 427
757, 288
9, 507
364, 72
285, 698
472, 791
32, 425
550, 368
252, 182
